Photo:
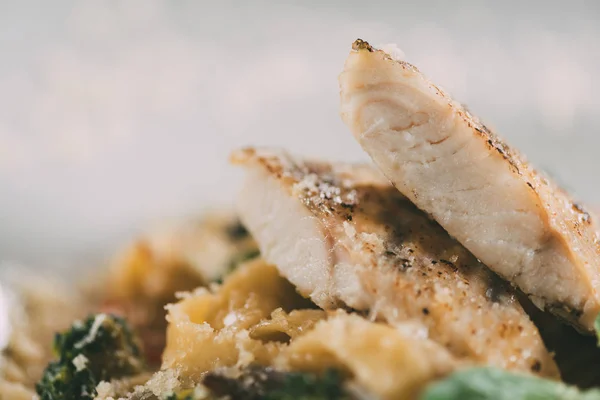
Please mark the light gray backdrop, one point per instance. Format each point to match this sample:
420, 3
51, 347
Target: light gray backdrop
118, 114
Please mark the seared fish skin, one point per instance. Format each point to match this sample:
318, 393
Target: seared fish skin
517, 222
344, 236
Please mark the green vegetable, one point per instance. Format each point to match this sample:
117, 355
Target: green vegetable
237, 260
237, 231
303, 386
98, 349
496, 384
186, 394
61, 382
241, 257
260, 383
597, 328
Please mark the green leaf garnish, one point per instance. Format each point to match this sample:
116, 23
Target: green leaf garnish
496, 384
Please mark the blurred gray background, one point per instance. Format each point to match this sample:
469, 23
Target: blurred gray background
117, 114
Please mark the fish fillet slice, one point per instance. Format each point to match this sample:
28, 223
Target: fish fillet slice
344, 236
482, 192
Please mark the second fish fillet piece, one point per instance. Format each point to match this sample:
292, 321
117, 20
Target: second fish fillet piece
344, 236
517, 222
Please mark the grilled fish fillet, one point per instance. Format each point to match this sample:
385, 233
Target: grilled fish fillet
483, 193
344, 236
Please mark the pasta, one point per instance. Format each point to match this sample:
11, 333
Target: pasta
253, 319
232, 320
379, 357
256, 317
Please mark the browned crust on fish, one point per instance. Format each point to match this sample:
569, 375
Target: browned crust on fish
562, 215
420, 263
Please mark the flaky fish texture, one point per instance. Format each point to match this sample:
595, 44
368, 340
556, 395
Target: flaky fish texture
517, 222
344, 236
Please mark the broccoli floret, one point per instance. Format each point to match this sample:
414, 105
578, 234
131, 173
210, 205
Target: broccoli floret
269, 384
98, 349
61, 382
105, 341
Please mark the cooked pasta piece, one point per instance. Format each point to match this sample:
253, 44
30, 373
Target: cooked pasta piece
257, 317
149, 273
383, 360
283, 327
212, 329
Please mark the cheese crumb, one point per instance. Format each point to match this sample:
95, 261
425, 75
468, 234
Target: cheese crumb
230, 319
80, 362
105, 391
